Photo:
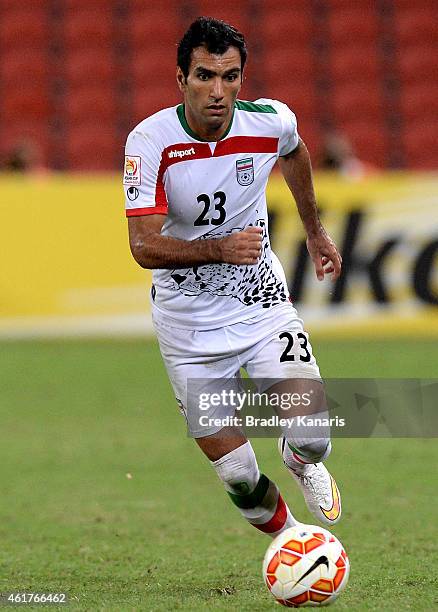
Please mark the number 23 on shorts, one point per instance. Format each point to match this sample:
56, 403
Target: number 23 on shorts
295, 348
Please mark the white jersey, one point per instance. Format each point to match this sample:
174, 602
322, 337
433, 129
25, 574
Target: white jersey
209, 190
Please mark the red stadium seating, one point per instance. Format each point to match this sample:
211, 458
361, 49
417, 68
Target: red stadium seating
369, 140
419, 100
235, 13
27, 66
146, 102
310, 131
88, 104
416, 25
416, 64
419, 142
355, 64
83, 5
358, 101
407, 5
20, 26
143, 34
16, 133
169, 8
301, 99
275, 6
289, 23
347, 4
289, 77
25, 102
355, 25
146, 26
90, 66
292, 66
105, 45
88, 28
154, 67
94, 148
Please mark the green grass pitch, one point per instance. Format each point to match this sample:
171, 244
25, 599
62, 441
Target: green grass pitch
77, 417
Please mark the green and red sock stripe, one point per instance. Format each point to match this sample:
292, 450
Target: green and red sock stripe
272, 515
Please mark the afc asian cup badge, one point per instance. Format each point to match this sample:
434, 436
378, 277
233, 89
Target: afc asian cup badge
132, 174
245, 171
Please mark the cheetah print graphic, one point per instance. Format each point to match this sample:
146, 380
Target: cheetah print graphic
248, 284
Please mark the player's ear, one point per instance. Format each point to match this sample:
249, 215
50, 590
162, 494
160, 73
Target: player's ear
180, 79
242, 78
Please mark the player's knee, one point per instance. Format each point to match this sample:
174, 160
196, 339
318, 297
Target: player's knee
315, 450
238, 469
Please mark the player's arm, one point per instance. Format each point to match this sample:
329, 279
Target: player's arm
297, 171
152, 250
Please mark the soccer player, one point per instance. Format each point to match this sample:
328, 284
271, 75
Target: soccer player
195, 178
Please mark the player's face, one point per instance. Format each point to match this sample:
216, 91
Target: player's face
210, 90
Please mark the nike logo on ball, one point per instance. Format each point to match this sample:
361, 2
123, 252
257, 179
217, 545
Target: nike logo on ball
320, 561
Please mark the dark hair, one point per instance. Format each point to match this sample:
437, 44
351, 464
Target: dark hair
215, 34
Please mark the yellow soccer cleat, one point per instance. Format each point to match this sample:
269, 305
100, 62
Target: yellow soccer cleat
319, 488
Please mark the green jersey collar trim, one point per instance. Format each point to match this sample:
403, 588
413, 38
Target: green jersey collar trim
182, 119
252, 107
243, 105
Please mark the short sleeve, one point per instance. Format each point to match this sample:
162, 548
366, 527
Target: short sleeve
143, 176
288, 137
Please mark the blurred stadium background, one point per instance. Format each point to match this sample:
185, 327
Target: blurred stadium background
91, 500
76, 76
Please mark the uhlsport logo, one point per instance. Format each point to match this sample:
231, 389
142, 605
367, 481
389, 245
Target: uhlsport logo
132, 174
183, 153
245, 171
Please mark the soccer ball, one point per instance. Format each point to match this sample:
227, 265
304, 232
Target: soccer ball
305, 566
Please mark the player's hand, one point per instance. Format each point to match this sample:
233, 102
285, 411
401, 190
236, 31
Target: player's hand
242, 248
325, 255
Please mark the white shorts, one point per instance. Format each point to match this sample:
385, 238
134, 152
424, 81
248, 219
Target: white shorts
272, 345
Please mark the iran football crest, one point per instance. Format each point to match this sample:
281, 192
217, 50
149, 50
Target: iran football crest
245, 171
